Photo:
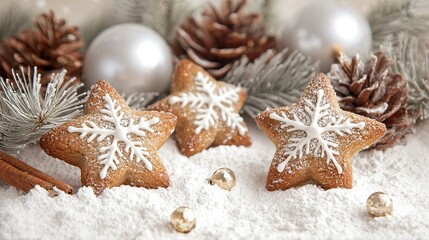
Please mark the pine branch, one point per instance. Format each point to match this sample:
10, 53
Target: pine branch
272, 80
269, 18
92, 28
161, 15
412, 61
266, 8
129, 10
25, 114
391, 17
12, 20
140, 101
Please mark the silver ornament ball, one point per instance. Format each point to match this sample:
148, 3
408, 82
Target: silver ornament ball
131, 57
322, 26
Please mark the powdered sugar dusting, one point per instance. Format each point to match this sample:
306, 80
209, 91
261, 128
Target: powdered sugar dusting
212, 104
249, 211
116, 127
315, 128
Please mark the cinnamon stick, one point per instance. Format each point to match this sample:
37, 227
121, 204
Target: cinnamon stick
25, 177
20, 179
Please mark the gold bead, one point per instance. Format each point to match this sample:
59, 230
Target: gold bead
223, 178
183, 219
379, 204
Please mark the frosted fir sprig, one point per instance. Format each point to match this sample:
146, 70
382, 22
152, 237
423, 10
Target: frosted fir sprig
412, 61
140, 100
388, 18
161, 15
272, 80
12, 19
399, 28
26, 114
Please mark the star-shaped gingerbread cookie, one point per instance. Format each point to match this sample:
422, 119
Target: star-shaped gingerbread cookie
315, 139
207, 110
111, 143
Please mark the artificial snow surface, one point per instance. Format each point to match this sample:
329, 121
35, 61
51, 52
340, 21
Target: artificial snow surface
249, 211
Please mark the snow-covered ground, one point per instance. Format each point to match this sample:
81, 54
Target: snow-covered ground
248, 211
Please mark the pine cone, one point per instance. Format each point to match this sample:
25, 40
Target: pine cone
51, 46
222, 36
371, 90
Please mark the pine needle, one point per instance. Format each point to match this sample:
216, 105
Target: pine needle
272, 80
388, 18
139, 101
25, 114
12, 20
161, 15
91, 29
399, 28
412, 61
271, 22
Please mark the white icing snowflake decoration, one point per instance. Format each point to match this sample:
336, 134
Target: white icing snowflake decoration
118, 129
316, 137
207, 100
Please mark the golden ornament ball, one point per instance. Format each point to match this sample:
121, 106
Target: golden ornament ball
183, 219
223, 178
379, 204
